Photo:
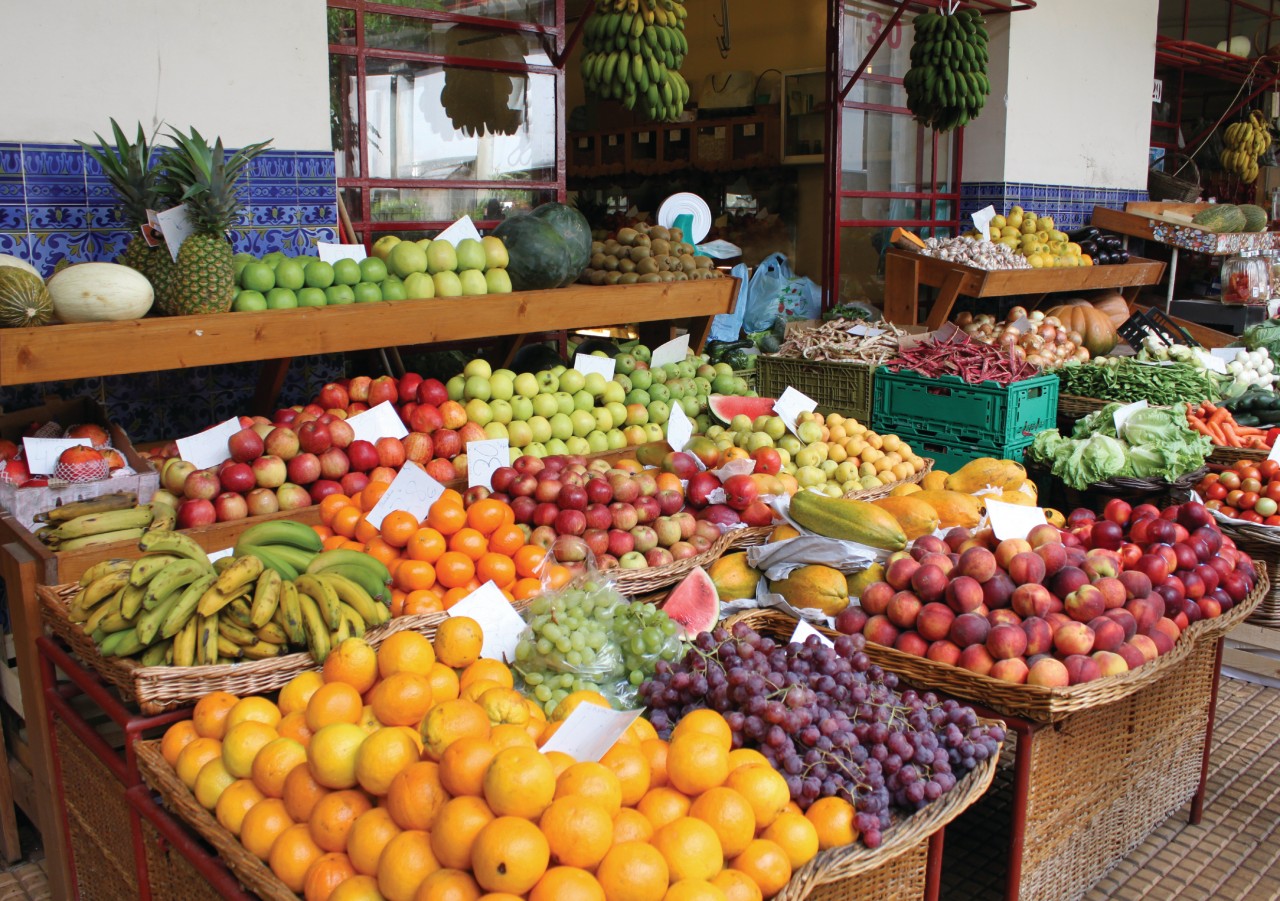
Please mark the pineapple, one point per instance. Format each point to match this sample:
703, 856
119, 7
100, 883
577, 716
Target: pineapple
129, 167
205, 178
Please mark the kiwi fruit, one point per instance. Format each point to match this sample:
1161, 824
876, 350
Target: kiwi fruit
610, 262
640, 252
647, 266
649, 278
625, 266
627, 236
611, 278
628, 278
597, 276
597, 260
660, 246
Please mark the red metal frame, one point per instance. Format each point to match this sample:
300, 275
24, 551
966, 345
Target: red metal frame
558, 43
181, 840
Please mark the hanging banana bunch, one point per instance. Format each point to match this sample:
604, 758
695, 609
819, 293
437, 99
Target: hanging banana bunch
632, 51
480, 102
947, 83
1243, 142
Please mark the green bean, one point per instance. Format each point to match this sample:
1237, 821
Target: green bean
1128, 381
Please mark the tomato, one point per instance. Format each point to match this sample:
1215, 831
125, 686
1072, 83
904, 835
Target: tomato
1273, 491
1249, 471
1233, 498
1266, 507
1272, 520
1229, 511
1216, 491
1247, 500
1250, 516
1252, 485
1213, 505
1230, 479
1210, 477
1268, 468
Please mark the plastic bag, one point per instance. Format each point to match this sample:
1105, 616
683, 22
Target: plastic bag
728, 326
776, 291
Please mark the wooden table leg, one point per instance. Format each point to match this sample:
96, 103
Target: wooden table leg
901, 289
699, 330
21, 574
270, 381
940, 312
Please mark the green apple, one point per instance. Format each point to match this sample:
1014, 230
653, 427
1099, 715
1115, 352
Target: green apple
548, 382
473, 283
372, 270
447, 284
257, 277
603, 418
597, 442
478, 412
642, 353
558, 371
441, 257
346, 272
470, 253
556, 447
582, 400
526, 384
367, 292
540, 429
290, 274
519, 433
476, 387
237, 268
495, 252
319, 274
406, 258
561, 426
281, 299
536, 449
624, 363
501, 386
478, 368
623, 380
659, 392
393, 288
617, 440
501, 410
642, 379
636, 396
654, 432
497, 281
337, 295
497, 430
690, 406
659, 376
383, 246
419, 286
613, 393
545, 405
456, 387
424, 243
583, 422
249, 302
594, 384
617, 412
273, 259
659, 412
577, 445
521, 408
311, 297
572, 380
564, 402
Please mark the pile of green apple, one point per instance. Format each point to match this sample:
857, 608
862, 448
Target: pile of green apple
395, 270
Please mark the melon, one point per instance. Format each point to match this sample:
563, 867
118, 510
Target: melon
1255, 217
539, 257
694, 604
1221, 217
726, 406
18, 263
573, 227
100, 292
24, 300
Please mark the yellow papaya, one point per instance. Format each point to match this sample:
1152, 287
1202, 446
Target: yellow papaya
986, 472
850, 520
903, 490
782, 532
1016, 496
859, 582
954, 508
934, 480
1055, 517
814, 587
916, 517
733, 577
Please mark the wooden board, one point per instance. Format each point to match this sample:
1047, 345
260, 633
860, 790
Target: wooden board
1150, 223
58, 352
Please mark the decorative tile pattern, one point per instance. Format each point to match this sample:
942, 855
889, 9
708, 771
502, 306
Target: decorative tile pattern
1069, 206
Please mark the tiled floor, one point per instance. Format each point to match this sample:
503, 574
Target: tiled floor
24, 882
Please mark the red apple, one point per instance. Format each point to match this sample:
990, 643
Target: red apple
315, 437
196, 512
230, 506
304, 469
390, 451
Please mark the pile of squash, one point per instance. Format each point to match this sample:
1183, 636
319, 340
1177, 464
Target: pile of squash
1095, 321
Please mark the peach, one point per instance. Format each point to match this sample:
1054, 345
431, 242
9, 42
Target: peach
1107, 633
1136, 584
930, 544
1048, 672
1056, 618
1163, 643
1067, 580
1031, 599
1006, 641
879, 630
1085, 603
944, 652
1073, 638
1054, 556
1081, 669
875, 597
1039, 636
1113, 591
1110, 664
1027, 568
964, 595
969, 629
957, 536
1146, 645
1010, 548
941, 561
977, 563
1132, 654
1003, 616
1144, 612
934, 621
1011, 669
976, 659
903, 609
1167, 626
1126, 621
911, 643
1041, 535
899, 572
997, 591
929, 581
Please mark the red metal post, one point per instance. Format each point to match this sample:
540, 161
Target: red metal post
217, 875
933, 866
1197, 800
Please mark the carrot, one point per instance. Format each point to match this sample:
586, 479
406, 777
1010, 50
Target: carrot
1199, 425
1220, 415
1229, 432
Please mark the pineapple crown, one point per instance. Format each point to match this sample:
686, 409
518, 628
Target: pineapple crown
131, 170
205, 179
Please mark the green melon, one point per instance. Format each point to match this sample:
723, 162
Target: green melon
1255, 217
539, 257
1221, 217
574, 228
24, 300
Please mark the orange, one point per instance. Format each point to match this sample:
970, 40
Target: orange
292, 855
358, 888
422, 601
464, 763
641, 730
519, 783
371, 493
578, 831
333, 541
696, 762
255, 709
211, 781
326, 874
444, 682
502, 704
506, 540
766, 864
274, 762
177, 737
448, 885
833, 820
405, 862
345, 521
705, 722
454, 595
746, 757
655, 751
560, 761
398, 527
241, 745
690, 848
426, 544
737, 886
795, 835
633, 871
530, 561
571, 701
663, 805
194, 756
496, 568
765, 790
367, 532
487, 669
301, 793
405, 651
487, 515
469, 542
510, 854
454, 570
693, 890
382, 756
236, 800
210, 713
416, 796
446, 518
324, 533
298, 691
262, 825
352, 662
332, 754
456, 827
632, 769
415, 575
379, 550
526, 588
593, 781
334, 815
402, 699
368, 836
512, 735
330, 505
630, 825
449, 721
333, 702
668, 481
295, 726
559, 576
730, 815
567, 884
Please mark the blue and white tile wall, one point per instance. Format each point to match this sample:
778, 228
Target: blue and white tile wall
55, 204
1070, 207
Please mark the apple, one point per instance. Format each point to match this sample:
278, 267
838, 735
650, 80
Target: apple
291, 496
229, 506
621, 543
353, 482
270, 471
196, 512
315, 437
646, 538
173, 475
237, 477
362, 455
322, 488
202, 484
304, 468
245, 446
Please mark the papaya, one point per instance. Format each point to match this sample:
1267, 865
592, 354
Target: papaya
859, 582
954, 508
733, 577
903, 490
1017, 496
814, 587
916, 517
1055, 517
934, 480
986, 472
782, 532
850, 520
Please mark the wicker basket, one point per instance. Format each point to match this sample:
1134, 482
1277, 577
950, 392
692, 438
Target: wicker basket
1168, 186
1136, 491
170, 875
637, 582
1042, 705
874, 494
1262, 543
1073, 406
1229, 456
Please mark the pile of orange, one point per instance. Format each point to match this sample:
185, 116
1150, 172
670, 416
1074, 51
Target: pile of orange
414, 773
437, 562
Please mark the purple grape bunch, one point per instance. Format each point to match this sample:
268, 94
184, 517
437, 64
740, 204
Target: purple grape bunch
826, 718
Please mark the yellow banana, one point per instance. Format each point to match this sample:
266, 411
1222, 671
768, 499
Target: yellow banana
228, 648
323, 594
314, 625
244, 570
266, 598
353, 595
207, 640
103, 568
184, 643
104, 587
291, 613
273, 633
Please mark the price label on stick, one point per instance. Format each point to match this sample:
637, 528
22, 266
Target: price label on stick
679, 428
804, 630
589, 363
791, 405
412, 490
176, 226
483, 457
498, 620
208, 448
42, 453
982, 220
590, 731
1013, 520
674, 351
381, 421
1121, 416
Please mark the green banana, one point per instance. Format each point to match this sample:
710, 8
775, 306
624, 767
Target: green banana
131, 599
354, 596
171, 578
341, 556
172, 543
282, 531
157, 654
273, 560
101, 612
103, 523
181, 612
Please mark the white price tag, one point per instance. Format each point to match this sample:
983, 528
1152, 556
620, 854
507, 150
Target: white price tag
208, 448
381, 421
42, 453
331, 253
412, 490
483, 457
215, 556
1275, 452
679, 429
1225, 354
674, 351
463, 228
735, 468
1214, 363
1013, 520
982, 220
720, 249
498, 620
791, 405
804, 630
865, 331
176, 226
1121, 416
590, 731
589, 363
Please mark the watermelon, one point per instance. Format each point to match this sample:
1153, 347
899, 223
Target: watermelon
694, 604
539, 257
726, 406
574, 228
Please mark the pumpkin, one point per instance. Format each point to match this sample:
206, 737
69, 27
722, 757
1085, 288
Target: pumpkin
100, 292
1097, 331
1115, 306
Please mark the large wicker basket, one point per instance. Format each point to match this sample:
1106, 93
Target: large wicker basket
873, 494
638, 582
1262, 543
1043, 705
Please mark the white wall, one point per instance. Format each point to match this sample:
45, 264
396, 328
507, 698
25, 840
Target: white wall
246, 70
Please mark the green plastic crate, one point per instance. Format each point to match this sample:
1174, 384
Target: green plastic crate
950, 411
843, 388
950, 457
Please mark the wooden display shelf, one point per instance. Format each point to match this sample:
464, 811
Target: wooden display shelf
905, 272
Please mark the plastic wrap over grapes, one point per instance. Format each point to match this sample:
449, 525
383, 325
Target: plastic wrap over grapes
827, 719
586, 636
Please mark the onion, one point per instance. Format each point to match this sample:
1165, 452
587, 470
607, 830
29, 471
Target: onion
1017, 313
1035, 359
964, 319
1048, 332
1074, 337
1008, 340
1082, 354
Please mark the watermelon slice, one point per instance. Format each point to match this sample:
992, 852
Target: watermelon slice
694, 604
726, 406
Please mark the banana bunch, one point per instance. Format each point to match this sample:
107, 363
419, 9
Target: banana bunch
632, 52
1243, 143
102, 520
947, 83
479, 103
172, 606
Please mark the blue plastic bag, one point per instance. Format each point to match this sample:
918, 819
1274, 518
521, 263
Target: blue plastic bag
776, 291
728, 326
